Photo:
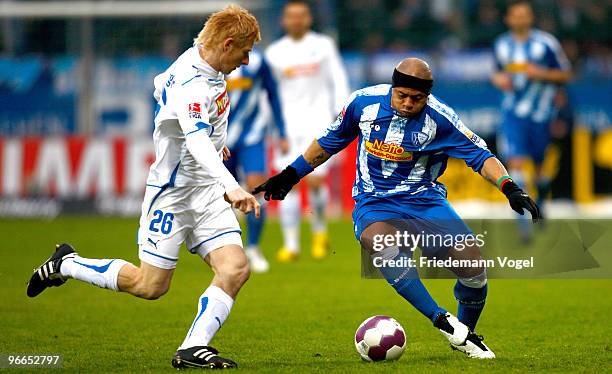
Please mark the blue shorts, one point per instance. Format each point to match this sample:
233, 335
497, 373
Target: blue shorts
417, 215
522, 137
247, 159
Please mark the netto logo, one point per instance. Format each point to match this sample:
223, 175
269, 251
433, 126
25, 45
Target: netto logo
387, 151
222, 103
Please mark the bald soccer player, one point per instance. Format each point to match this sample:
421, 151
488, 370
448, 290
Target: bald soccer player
406, 135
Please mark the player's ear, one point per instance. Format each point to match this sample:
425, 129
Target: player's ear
228, 43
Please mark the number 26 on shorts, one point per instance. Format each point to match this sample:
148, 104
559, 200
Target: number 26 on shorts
161, 222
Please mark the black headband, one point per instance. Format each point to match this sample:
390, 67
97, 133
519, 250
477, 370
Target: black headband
409, 81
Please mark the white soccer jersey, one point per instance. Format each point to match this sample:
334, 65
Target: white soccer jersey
190, 125
312, 82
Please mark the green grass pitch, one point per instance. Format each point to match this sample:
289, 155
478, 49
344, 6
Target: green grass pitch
298, 318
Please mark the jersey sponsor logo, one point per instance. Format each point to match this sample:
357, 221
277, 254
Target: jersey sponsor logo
195, 110
240, 83
419, 138
222, 103
516, 67
388, 151
303, 69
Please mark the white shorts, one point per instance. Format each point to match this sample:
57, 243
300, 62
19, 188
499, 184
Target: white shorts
298, 145
196, 215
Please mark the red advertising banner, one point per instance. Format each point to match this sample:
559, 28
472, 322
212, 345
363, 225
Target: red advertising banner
73, 167
105, 174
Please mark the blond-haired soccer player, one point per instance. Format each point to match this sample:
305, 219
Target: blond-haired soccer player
189, 193
313, 87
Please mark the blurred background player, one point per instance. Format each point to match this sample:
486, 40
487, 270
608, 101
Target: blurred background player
253, 94
530, 66
188, 192
313, 86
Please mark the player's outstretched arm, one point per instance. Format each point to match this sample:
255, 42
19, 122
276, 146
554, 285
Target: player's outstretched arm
495, 172
279, 185
315, 155
552, 75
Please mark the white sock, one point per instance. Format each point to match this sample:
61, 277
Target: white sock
318, 201
290, 220
213, 308
102, 273
251, 248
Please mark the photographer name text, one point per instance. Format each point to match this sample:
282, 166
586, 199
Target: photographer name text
434, 262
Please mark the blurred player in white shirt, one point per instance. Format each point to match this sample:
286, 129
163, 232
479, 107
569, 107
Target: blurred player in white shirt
313, 87
189, 194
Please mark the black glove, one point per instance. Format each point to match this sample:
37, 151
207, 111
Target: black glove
519, 200
279, 185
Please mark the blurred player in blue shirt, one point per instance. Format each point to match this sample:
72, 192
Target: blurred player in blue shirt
530, 66
405, 137
254, 96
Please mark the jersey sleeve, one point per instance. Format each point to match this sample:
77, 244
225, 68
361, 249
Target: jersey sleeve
273, 97
496, 56
342, 131
461, 142
555, 56
338, 77
192, 113
191, 107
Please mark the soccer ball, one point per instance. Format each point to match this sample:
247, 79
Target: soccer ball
380, 338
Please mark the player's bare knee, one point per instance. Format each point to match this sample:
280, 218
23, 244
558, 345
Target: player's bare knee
239, 273
477, 281
470, 255
234, 273
470, 272
373, 237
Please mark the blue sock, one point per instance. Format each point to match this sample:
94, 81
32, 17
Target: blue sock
255, 227
471, 302
407, 283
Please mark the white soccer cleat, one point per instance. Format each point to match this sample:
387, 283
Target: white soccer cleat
461, 338
258, 262
474, 347
452, 329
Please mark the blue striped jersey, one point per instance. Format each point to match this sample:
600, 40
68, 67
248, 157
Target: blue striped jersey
253, 94
529, 99
401, 155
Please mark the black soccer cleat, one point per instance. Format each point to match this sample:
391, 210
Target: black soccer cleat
48, 274
203, 357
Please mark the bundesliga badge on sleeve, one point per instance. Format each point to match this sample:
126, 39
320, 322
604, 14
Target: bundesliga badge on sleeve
195, 111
